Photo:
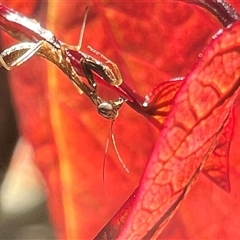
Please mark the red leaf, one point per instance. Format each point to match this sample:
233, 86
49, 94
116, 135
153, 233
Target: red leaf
203, 102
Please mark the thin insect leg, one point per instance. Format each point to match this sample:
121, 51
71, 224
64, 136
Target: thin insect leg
23, 58
83, 28
86, 67
116, 78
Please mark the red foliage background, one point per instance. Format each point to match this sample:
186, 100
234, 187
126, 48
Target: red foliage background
150, 42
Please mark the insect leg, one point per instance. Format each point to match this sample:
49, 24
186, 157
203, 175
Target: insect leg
112, 72
30, 50
83, 28
87, 69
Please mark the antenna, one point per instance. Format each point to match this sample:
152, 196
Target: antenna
110, 133
83, 28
